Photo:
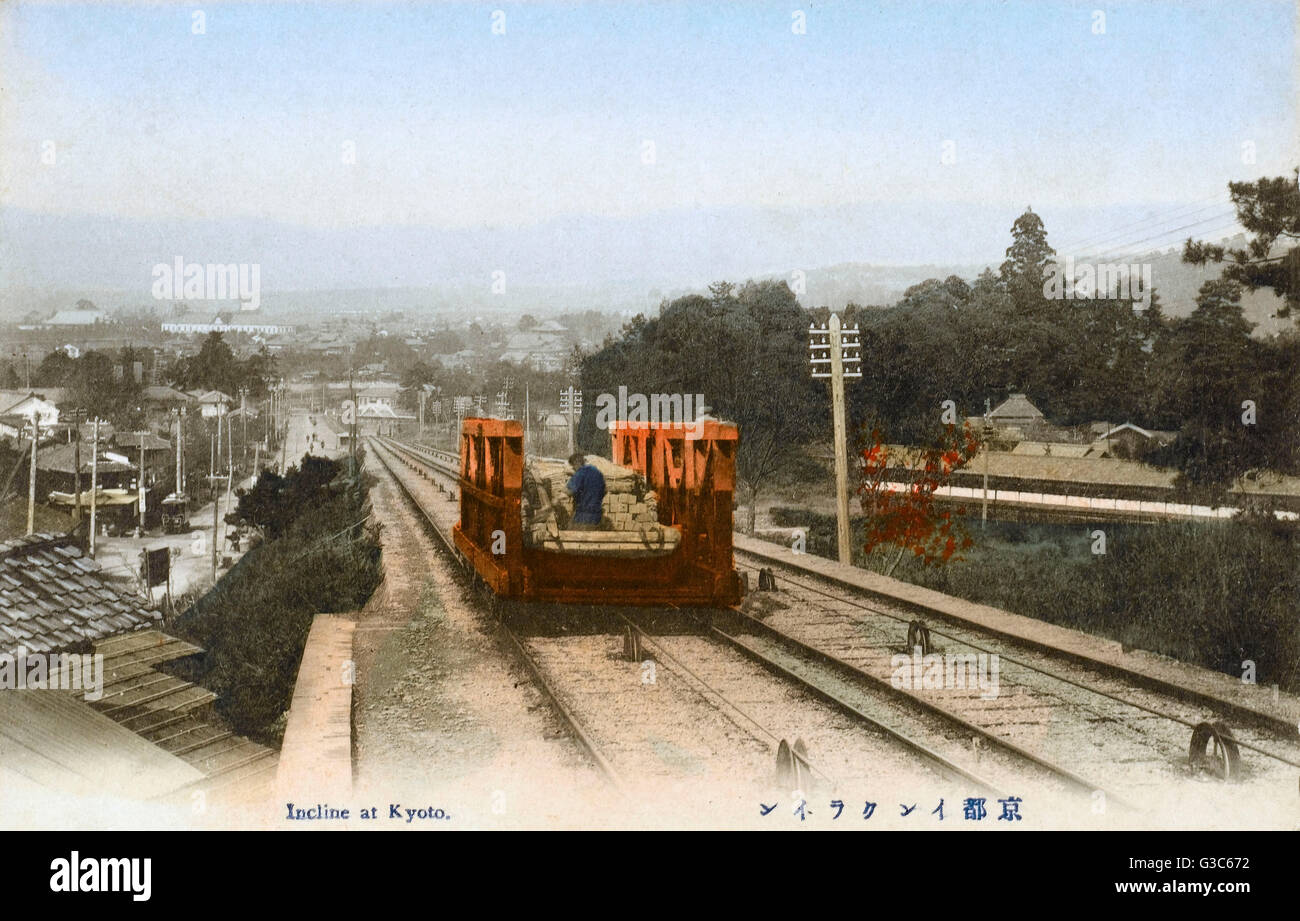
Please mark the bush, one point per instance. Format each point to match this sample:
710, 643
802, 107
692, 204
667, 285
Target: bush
254, 624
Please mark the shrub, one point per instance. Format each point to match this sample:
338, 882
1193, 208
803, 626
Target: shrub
254, 624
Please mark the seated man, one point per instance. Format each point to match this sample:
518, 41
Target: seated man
587, 487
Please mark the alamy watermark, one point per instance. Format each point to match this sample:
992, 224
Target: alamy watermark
936, 672
55, 671
183, 280
75, 873
674, 408
1087, 281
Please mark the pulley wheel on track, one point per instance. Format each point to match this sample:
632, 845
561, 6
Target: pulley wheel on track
1214, 750
785, 769
918, 634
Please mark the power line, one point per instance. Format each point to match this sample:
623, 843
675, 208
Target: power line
1120, 241
1127, 247
1171, 215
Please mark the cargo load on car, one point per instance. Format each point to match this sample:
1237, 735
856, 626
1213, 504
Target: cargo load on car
629, 524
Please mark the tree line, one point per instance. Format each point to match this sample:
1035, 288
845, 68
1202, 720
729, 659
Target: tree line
1233, 399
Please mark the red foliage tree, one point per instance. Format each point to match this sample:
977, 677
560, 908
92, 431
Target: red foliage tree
897, 491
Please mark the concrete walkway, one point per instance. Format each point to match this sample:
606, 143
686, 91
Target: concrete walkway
316, 754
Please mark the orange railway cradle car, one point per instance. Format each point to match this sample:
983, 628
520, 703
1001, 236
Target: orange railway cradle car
695, 482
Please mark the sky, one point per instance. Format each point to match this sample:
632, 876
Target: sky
334, 117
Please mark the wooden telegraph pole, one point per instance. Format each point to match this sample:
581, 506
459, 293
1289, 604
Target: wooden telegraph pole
180, 451
352, 434
216, 451
213, 478
31, 487
230, 462
988, 431
243, 421
281, 427
140, 482
94, 481
216, 541
571, 402
836, 354
76, 465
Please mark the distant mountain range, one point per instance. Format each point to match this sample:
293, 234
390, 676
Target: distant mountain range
619, 266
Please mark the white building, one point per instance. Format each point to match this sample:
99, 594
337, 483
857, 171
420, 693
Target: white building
218, 325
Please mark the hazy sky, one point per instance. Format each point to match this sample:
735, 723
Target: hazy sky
455, 127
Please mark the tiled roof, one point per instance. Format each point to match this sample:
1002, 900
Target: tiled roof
52, 597
51, 742
77, 318
1017, 406
132, 440
62, 459
164, 394
11, 398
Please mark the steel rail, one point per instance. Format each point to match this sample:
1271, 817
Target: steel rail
847, 598
852, 671
575, 727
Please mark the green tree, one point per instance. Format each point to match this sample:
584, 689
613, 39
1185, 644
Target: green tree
1029, 254
55, 370
1269, 210
213, 368
1215, 375
763, 385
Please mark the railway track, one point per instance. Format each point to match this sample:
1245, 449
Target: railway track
388, 453
1135, 740
1059, 730
581, 682
933, 746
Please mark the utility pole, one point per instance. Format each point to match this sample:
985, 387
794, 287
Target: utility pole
230, 468
284, 450
180, 450
352, 438
570, 402
988, 432
213, 478
216, 541
141, 481
836, 354
94, 481
528, 422
76, 465
243, 419
31, 486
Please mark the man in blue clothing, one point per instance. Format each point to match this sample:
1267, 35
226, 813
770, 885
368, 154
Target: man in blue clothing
587, 487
